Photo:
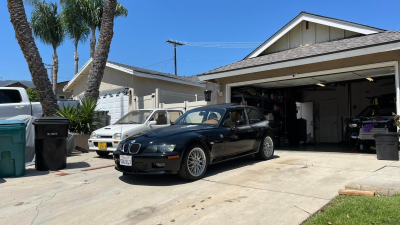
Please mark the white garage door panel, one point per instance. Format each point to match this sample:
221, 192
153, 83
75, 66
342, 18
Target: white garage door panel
117, 106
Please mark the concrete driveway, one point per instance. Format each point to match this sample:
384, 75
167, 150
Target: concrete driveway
284, 190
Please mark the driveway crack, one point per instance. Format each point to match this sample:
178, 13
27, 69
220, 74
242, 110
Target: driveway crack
302, 209
264, 189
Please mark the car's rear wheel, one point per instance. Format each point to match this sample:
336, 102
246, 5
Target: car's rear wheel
194, 163
267, 148
102, 154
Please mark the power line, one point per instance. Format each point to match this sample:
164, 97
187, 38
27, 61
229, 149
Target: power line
224, 44
157, 63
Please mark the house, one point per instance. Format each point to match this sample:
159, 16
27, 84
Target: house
17, 84
125, 88
61, 95
334, 68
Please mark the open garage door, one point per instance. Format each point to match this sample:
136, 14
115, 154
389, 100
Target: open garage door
336, 99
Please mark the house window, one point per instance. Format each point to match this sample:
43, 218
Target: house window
61, 97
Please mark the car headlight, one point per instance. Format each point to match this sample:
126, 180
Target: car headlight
119, 147
93, 135
117, 136
159, 148
353, 125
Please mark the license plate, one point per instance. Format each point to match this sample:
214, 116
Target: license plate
102, 145
125, 160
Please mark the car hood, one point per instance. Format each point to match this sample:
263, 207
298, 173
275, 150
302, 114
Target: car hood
117, 128
176, 129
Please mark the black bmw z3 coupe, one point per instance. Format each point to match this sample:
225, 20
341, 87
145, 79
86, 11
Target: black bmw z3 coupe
200, 137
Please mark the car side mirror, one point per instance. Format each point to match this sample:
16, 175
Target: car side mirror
151, 123
239, 123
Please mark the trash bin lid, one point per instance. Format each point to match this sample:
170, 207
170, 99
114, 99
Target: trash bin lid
11, 122
51, 120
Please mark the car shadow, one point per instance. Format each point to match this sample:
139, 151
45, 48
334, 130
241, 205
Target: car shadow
77, 165
108, 157
172, 179
32, 172
2, 180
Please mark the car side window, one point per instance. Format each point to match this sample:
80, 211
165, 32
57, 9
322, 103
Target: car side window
236, 116
254, 116
160, 117
174, 115
10, 96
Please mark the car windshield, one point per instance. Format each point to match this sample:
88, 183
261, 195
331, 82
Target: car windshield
202, 116
135, 117
378, 110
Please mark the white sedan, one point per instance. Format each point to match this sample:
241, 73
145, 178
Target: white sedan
106, 139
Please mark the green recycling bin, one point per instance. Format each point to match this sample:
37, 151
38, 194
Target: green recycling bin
12, 148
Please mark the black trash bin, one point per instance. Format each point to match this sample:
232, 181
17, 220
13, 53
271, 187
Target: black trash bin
51, 143
387, 146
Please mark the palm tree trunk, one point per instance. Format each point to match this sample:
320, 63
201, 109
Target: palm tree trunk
103, 48
23, 33
55, 70
76, 56
92, 42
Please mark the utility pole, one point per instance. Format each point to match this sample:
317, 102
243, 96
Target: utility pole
175, 43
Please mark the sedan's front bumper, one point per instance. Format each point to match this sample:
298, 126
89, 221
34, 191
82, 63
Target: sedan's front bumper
147, 164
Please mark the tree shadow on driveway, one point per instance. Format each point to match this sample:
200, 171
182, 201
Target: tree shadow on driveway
173, 179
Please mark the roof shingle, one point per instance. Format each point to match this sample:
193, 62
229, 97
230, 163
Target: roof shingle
192, 79
313, 50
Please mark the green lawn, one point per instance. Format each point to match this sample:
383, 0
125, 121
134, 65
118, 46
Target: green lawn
359, 210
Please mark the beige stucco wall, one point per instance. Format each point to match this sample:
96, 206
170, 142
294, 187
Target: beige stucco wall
60, 91
144, 86
140, 86
335, 64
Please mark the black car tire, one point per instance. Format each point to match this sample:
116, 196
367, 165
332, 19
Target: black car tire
102, 154
261, 154
184, 170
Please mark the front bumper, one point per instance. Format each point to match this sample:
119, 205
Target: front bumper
111, 144
145, 164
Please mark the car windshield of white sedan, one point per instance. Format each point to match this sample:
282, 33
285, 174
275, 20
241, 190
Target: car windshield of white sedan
135, 117
202, 116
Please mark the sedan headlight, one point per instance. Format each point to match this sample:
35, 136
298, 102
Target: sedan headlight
93, 135
117, 136
353, 125
159, 148
119, 147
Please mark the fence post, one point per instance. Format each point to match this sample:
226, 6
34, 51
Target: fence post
195, 96
157, 97
186, 105
161, 105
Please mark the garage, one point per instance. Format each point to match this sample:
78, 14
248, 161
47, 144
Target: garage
318, 80
319, 109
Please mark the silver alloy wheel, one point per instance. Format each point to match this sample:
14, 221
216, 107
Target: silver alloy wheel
268, 147
196, 162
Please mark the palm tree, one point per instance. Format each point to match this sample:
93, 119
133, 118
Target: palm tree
103, 48
24, 36
92, 14
47, 25
75, 26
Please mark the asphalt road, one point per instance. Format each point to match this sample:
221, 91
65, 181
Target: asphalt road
284, 190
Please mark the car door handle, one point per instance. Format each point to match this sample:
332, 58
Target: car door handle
19, 107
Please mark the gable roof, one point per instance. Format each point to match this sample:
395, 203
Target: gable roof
303, 52
136, 71
324, 20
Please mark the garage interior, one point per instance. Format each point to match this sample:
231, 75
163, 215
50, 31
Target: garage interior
314, 110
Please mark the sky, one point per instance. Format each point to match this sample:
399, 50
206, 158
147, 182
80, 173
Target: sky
139, 39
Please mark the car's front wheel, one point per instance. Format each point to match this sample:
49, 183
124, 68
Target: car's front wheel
267, 149
102, 153
194, 163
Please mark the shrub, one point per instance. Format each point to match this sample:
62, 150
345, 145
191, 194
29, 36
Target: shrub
33, 95
82, 116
